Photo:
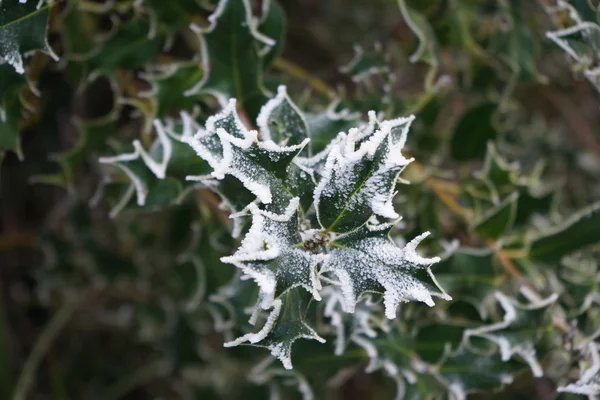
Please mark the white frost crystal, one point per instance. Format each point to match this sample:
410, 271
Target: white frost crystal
270, 242
365, 262
589, 383
508, 344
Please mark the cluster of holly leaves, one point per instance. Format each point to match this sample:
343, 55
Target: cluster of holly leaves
217, 197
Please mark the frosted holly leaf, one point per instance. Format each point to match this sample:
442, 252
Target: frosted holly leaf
581, 288
366, 260
228, 307
364, 65
168, 85
360, 182
280, 381
427, 49
498, 171
325, 126
521, 328
272, 254
234, 198
233, 70
285, 324
466, 371
364, 322
282, 122
589, 382
157, 175
393, 353
23, 28
582, 43
264, 168
471, 275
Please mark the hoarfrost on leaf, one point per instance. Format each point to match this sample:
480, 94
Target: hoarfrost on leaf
589, 382
366, 260
284, 326
514, 335
271, 255
264, 168
359, 182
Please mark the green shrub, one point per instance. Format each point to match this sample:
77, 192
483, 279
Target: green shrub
198, 194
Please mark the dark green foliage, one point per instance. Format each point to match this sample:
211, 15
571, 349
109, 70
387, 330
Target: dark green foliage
236, 179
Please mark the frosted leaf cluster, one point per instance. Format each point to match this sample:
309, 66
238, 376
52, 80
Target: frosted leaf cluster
319, 220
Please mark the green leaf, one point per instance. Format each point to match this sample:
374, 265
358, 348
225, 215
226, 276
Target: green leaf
498, 221
233, 70
128, 47
364, 64
360, 182
76, 31
265, 169
273, 25
22, 30
466, 371
498, 171
282, 122
473, 131
589, 382
434, 340
471, 275
283, 327
168, 16
427, 50
272, 254
581, 42
520, 330
158, 176
168, 87
366, 260
326, 125
578, 231
93, 136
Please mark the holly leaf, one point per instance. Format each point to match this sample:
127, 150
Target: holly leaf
168, 17
465, 371
580, 230
324, 126
581, 42
520, 330
157, 176
497, 221
273, 255
366, 260
168, 86
283, 327
589, 382
497, 171
129, 46
234, 69
427, 50
273, 25
364, 65
471, 275
359, 182
264, 168
473, 131
23, 28
282, 122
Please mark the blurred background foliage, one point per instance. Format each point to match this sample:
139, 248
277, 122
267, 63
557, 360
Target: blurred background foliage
137, 305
